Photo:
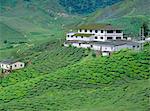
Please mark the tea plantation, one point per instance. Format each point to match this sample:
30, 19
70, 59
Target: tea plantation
58, 78
119, 82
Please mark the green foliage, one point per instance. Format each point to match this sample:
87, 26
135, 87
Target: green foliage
128, 14
44, 59
85, 6
116, 83
146, 29
59, 78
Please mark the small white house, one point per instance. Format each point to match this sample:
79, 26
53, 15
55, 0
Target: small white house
9, 65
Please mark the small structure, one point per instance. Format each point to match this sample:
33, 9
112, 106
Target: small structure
9, 65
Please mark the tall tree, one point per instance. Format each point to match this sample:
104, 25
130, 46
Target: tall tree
146, 29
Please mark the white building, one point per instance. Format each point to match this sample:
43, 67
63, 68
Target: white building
9, 65
96, 32
100, 37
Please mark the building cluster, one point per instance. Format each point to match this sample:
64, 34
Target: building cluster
100, 37
104, 38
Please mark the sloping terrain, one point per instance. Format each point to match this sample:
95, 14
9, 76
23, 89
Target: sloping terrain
120, 82
58, 78
25, 23
129, 14
85, 6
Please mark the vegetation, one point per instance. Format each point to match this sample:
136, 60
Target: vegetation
128, 14
85, 6
146, 29
86, 85
57, 78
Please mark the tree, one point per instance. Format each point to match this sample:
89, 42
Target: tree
5, 41
146, 29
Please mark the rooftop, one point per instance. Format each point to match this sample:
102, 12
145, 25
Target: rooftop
83, 34
107, 43
99, 27
9, 61
116, 43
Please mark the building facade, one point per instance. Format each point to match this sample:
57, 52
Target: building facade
100, 37
9, 65
96, 32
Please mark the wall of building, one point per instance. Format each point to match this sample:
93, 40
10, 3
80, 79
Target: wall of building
85, 46
101, 36
97, 47
80, 38
107, 48
126, 46
5, 66
17, 65
105, 53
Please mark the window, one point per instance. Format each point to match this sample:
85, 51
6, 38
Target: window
109, 38
80, 30
91, 46
85, 30
96, 37
81, 36
90, 30
118, 31
101, 37
7, 66
72, 36
133, 46
68, 35
138, 46
110, 31
125, 38
118, 38
79, 44
21, 65
96, 31
102, 31
76, 36
15, 65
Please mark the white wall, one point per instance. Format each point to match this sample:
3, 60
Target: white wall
17, 65
85, 46
108, 48
5, 66
105, 53
80, 39
76, 45
96, 47
99, 35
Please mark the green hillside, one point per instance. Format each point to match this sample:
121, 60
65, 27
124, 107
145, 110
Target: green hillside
129, 14
58, 78
85, 6
120, 82
32, 22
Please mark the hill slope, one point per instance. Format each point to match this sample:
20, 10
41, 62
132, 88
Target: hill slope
57, 78
120, 82
85, 6
129, 14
